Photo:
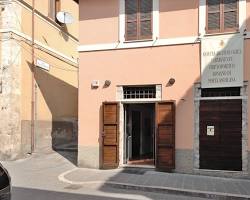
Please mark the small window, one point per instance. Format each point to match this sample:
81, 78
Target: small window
54, 8
220, 92
144, 92
222, 16
138, 19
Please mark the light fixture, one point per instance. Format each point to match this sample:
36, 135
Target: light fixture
107, 83
171, 82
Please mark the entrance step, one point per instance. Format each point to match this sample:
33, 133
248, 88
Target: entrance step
138, 170
141, 162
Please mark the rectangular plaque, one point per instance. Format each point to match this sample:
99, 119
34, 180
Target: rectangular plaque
42, 64
222, 61
210, 130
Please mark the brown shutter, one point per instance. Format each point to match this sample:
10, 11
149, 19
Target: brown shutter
230, 14
138, 19
110, 142
52, 5
54, 8
131, 7
222, 15
58, 6
213, 15
146, 7
165, 138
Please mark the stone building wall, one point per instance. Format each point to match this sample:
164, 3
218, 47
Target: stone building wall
10, 81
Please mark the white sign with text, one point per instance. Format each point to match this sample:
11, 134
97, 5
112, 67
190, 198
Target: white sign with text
42, 64
222, 61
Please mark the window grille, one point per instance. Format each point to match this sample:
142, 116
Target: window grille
220, 92
145, 92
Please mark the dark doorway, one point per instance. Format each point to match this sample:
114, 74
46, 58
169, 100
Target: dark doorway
221, 134
136, 133
139, 134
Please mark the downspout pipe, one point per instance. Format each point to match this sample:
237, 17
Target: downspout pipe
33, 81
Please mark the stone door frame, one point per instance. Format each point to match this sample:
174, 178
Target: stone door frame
197, 99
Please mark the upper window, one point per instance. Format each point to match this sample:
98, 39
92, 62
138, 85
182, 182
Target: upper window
54, 8
138, 19
137, 92
222, 16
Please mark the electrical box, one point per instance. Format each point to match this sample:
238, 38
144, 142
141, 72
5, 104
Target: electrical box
95, 84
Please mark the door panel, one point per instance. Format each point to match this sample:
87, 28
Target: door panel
110, 140
165, 138
110, 155
223, 150
110, 134
166, 157
165, 135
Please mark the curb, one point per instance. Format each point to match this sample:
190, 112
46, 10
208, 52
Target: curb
178, 191
157, 189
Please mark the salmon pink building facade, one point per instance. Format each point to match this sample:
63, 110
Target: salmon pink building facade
165, 83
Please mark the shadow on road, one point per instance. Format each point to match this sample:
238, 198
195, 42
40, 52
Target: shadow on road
109, 194
35, 194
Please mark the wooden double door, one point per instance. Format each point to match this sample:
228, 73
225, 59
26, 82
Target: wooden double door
164, 135
221, 135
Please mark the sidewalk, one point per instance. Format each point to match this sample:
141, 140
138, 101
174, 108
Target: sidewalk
51, 171
183, 184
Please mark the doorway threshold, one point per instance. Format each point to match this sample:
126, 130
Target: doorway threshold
138, 166
137, 169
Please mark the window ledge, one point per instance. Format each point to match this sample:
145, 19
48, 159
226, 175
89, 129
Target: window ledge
136, 41
222, 33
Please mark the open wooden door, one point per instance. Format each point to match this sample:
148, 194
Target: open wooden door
165, 136
110, 136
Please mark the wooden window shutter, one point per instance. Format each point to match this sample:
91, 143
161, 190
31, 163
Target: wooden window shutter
146, 19
222, 15
213, 15
230, 14
54, 8
51, 12
58, 6
131, 19
138, 19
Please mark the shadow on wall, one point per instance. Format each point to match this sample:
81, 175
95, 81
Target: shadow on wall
64, 31
170, 6
96, 9
62, 100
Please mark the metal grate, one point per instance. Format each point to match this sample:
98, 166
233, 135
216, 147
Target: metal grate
144, 92
220, 92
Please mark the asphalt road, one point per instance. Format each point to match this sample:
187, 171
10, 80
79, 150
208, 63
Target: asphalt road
91, 194
36, 178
